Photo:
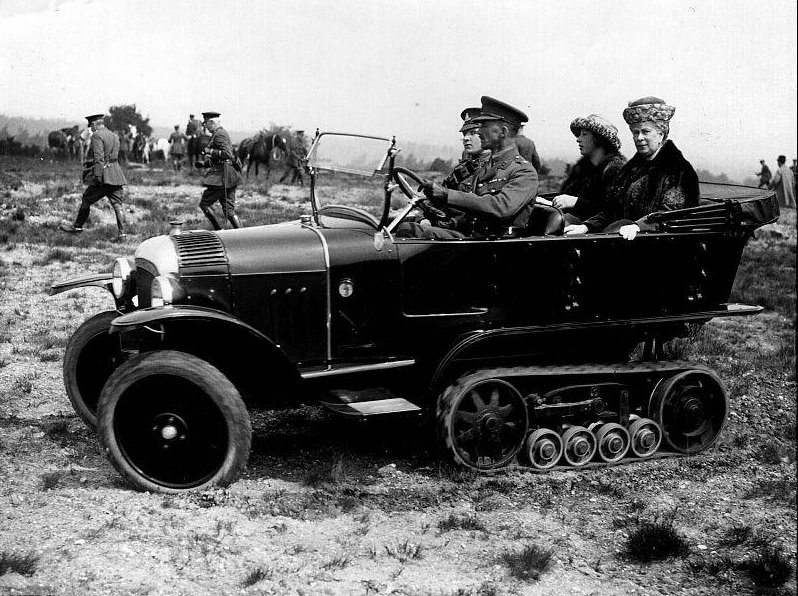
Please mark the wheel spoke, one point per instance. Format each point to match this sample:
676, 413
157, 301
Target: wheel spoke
494, 397
466, 417
476, 399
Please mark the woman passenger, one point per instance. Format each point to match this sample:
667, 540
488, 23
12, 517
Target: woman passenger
657, 178
586, 188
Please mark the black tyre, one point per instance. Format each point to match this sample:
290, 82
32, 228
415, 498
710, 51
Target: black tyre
482, 422
172, 422
691, 408
91, 356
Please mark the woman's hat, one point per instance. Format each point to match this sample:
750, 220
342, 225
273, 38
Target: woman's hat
599, 127
652, 109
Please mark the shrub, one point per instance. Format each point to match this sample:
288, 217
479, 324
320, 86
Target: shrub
770, 568
322, 473
655, 541
15, 563
529, 563
256, 575
462, 521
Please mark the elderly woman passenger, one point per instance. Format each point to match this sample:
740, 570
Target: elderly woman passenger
657, 178
586, 188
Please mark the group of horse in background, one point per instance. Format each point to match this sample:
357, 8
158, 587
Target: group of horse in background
267, 149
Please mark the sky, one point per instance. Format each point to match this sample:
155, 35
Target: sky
408, 67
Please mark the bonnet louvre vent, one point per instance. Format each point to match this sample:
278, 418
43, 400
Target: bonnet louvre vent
199, 249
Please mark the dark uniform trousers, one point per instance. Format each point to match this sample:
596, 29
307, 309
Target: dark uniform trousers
220, 180
94, 193
227, 200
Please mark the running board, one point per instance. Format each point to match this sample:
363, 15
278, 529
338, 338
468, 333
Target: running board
396, 405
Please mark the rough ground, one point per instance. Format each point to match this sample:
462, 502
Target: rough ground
332, 507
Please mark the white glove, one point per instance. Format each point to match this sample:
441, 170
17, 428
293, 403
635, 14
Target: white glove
629, 232
564, 202
573, 229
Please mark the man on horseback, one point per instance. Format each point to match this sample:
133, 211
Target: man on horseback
221, 177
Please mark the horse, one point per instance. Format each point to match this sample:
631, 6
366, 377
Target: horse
244, 147
159, 146
84, 142
196, 143
265, 148
139, 146
57, 143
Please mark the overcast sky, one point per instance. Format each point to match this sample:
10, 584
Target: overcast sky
409, 67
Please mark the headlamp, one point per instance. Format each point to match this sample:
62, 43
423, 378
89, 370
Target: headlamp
123, 277
165, 290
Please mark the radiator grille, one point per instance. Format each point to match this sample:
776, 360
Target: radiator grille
199, 249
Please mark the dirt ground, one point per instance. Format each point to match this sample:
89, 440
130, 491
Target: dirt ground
332, 507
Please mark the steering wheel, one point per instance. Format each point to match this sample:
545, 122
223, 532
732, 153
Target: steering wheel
399, 174
417, 198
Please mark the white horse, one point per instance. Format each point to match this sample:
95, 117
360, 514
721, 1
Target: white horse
161, 145
84, 141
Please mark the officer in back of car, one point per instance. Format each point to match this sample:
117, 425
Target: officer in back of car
501, 193
221, 177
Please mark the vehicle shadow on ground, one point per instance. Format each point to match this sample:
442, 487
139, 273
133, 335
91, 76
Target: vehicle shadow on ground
290, 444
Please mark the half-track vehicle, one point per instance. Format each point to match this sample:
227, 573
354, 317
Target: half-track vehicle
516, 344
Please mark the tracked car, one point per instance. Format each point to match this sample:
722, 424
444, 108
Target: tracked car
516, 344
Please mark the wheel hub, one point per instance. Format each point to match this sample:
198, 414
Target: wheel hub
547, 450
169, 429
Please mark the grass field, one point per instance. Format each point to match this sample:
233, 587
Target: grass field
333, 507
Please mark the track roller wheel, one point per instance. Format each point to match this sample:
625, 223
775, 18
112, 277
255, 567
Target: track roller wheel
543, 448
482, 422
646, 437
579, 445
612, 441
691, 408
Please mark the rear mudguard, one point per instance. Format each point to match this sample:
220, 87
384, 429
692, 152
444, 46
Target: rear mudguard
468, 346
250, 343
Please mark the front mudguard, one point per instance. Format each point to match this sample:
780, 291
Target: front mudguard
248, 357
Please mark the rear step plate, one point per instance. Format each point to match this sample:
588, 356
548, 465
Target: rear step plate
396, 405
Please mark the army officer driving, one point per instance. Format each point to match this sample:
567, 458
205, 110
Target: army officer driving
502, 191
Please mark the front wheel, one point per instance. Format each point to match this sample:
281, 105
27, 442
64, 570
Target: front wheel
171, 422
91, 355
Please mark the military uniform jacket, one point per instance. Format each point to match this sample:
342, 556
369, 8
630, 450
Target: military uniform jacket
194, 127
102, 160
220, 150
502, 190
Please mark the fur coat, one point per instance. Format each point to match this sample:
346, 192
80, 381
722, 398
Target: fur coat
590, 183
664, 183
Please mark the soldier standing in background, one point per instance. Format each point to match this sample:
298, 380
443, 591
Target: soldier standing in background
297, 158
194, 127
784, 183
764, 175
527, 149
177, 142
221, 177
102, 175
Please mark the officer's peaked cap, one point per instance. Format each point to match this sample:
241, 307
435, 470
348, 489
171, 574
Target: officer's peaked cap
468, 115
94, 117
209, 115
493, 109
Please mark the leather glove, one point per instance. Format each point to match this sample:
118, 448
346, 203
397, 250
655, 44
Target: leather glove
436, 193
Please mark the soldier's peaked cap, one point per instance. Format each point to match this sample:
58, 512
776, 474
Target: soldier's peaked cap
94, 117
467, 116
209, 115
493, 109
